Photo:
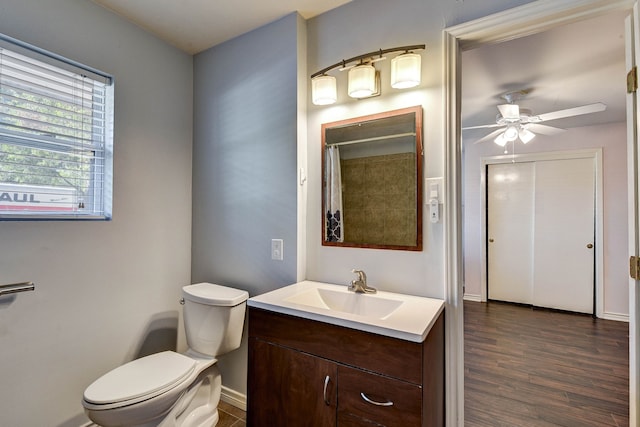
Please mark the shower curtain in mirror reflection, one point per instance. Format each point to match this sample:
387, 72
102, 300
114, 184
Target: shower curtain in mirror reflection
333, 196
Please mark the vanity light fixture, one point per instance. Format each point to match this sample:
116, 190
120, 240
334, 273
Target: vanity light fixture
364, 79
405, 71
323, 89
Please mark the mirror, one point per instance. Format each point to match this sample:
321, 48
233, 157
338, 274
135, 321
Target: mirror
372, 181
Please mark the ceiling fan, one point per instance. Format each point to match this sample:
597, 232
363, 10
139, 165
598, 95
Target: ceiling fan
520, 123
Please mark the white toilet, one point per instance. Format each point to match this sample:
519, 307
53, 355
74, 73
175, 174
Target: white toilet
169, 388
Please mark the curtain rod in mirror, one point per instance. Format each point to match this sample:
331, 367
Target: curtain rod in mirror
375, 138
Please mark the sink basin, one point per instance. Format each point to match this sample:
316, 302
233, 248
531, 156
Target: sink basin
347, 302
395, 315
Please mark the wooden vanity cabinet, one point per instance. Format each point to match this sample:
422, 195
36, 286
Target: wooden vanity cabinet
305, 373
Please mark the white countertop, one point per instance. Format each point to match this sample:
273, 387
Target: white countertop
411, 317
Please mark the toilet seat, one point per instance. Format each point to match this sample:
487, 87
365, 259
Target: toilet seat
139, 380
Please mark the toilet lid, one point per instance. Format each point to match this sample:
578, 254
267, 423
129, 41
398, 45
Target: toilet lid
145, 376
210, 294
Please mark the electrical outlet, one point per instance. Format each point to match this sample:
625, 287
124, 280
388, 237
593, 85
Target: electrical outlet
277, 248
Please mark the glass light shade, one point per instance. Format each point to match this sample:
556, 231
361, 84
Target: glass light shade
323, 90
405, 71
362, 81
526, 135
500, 140
510, 133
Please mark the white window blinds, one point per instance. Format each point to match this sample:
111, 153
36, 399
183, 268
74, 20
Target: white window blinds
56, 137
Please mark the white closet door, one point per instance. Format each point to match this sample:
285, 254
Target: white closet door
510, 231
564, 235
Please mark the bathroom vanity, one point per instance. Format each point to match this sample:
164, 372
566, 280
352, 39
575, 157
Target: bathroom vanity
326, 366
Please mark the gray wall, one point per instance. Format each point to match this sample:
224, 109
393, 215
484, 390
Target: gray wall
104, 290
244, 166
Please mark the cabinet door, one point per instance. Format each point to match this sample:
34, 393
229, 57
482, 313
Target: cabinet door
287, 388
368, 399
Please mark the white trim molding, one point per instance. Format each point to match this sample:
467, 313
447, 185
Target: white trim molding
472, 297
454, 332
529, 19
616, 317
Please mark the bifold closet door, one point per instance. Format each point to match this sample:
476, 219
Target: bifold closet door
540, 229
510, 204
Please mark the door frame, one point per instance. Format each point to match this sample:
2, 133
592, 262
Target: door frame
588, 153
521, 21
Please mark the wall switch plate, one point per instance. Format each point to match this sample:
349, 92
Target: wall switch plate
434, 190
277, 249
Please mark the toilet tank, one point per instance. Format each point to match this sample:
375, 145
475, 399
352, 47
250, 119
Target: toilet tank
213, 317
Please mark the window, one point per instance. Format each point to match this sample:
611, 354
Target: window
56, 136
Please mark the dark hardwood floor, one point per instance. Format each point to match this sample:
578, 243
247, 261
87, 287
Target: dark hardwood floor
531, 367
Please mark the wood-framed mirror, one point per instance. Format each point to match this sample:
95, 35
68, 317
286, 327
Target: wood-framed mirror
372, 181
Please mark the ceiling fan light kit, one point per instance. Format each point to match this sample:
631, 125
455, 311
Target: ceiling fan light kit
510, 133
526, 135
501, 140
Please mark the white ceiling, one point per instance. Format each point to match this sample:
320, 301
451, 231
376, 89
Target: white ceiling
566, 67
196, 25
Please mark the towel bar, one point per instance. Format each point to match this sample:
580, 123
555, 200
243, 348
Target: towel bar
16, 287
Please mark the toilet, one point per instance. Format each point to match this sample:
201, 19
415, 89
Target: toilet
169, 388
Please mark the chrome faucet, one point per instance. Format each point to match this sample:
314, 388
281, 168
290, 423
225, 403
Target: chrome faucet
359, 285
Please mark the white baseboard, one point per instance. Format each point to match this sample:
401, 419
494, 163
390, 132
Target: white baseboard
607, 316
471, 297
616, 316
234, 398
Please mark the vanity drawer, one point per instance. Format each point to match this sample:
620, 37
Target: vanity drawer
406, 398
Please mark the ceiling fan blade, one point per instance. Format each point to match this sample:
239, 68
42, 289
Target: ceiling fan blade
570, 112
544, 129
493, 125
491, 136
509, 111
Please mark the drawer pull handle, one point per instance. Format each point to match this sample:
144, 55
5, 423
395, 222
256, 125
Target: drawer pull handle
324, 392
373, 402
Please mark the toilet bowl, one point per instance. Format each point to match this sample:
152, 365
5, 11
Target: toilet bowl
169, 388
